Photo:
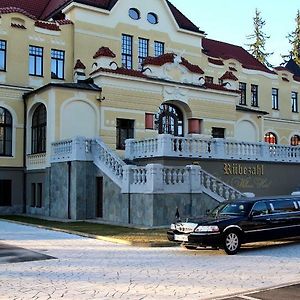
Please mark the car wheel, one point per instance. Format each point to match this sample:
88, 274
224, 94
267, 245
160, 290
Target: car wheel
190, 247
232, 242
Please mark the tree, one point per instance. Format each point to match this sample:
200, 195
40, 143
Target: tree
257, 48
294, 40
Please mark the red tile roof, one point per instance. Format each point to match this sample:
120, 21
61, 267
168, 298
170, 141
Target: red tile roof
9, 10
229, 75
44, 9
104, 51
169, 58
193, 68
79, 65
135, 73
121, 71
225, 51
159, 60
47, 25
215, 61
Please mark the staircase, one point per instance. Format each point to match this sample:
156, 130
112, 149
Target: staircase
152, 178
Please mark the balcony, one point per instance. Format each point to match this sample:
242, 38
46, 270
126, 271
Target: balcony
166, 145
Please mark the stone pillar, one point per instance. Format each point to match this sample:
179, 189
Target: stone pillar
195, 178
154, 178
218, 148
129, 149
126, 179
165, 147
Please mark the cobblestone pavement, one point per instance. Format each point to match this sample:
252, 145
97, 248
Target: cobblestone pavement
92, 269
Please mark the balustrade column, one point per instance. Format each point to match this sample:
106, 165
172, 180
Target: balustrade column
127, 172
165, 147
129, 149
195, 178
218, 148
154, 178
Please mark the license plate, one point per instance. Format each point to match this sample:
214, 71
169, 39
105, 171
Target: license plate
181, 238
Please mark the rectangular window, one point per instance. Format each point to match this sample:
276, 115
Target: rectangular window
35, 61
254, 95
143, 51
159, 48
275, 103
209, 79
2, 55
125, 130
5, 192
57, 64
126, 51
243, 90
149, 121
218, 132
294, 99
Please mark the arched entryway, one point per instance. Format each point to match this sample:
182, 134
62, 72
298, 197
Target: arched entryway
170, 120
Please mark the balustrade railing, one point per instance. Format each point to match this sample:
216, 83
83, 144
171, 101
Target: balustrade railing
153, 178
211, 184
166, 145
36, 161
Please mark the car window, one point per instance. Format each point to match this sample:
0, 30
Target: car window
259, 209
283, 206
240, 209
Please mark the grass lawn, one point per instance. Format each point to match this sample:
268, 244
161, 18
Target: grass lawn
132, 235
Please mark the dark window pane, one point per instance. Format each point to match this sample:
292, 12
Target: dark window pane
5, 132
5, 192
57, 64
38, 130
125, 130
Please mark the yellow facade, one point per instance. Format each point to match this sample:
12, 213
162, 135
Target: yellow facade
128, 96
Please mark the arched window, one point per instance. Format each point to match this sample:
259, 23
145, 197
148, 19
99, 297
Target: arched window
270, 138
5, 132
295, 140
38, 130
170, 120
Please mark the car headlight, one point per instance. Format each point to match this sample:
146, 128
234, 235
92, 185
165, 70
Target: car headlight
212, 228
173, 227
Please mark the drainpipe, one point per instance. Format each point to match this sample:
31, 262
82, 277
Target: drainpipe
24, 154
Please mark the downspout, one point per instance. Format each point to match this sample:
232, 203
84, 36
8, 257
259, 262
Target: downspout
24, 155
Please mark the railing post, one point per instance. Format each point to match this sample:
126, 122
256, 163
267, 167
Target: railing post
165, 147
154, 178
129, 149
126, 181
265, 151
218, 148
195, 178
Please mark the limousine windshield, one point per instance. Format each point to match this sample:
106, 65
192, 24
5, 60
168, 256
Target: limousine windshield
234, 208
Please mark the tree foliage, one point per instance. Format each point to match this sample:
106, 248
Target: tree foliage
257, 48
294, 40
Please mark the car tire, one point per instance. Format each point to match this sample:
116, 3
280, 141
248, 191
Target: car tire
190, 247
232, 242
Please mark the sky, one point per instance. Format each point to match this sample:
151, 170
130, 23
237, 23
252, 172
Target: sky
232, 20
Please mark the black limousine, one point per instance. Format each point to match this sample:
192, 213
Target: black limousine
233, 223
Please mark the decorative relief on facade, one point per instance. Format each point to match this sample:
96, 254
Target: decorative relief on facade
175, 93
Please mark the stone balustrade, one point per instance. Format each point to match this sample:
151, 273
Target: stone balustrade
37, 161
152, 178
78, 148
166, 145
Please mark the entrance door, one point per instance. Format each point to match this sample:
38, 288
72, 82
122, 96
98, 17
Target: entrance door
170, 120
99, 197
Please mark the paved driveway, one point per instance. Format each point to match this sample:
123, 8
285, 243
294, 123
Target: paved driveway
93, 269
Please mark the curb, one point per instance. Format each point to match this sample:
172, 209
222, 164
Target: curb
97, 237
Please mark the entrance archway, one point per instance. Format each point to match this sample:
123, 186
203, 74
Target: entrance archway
170, 120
